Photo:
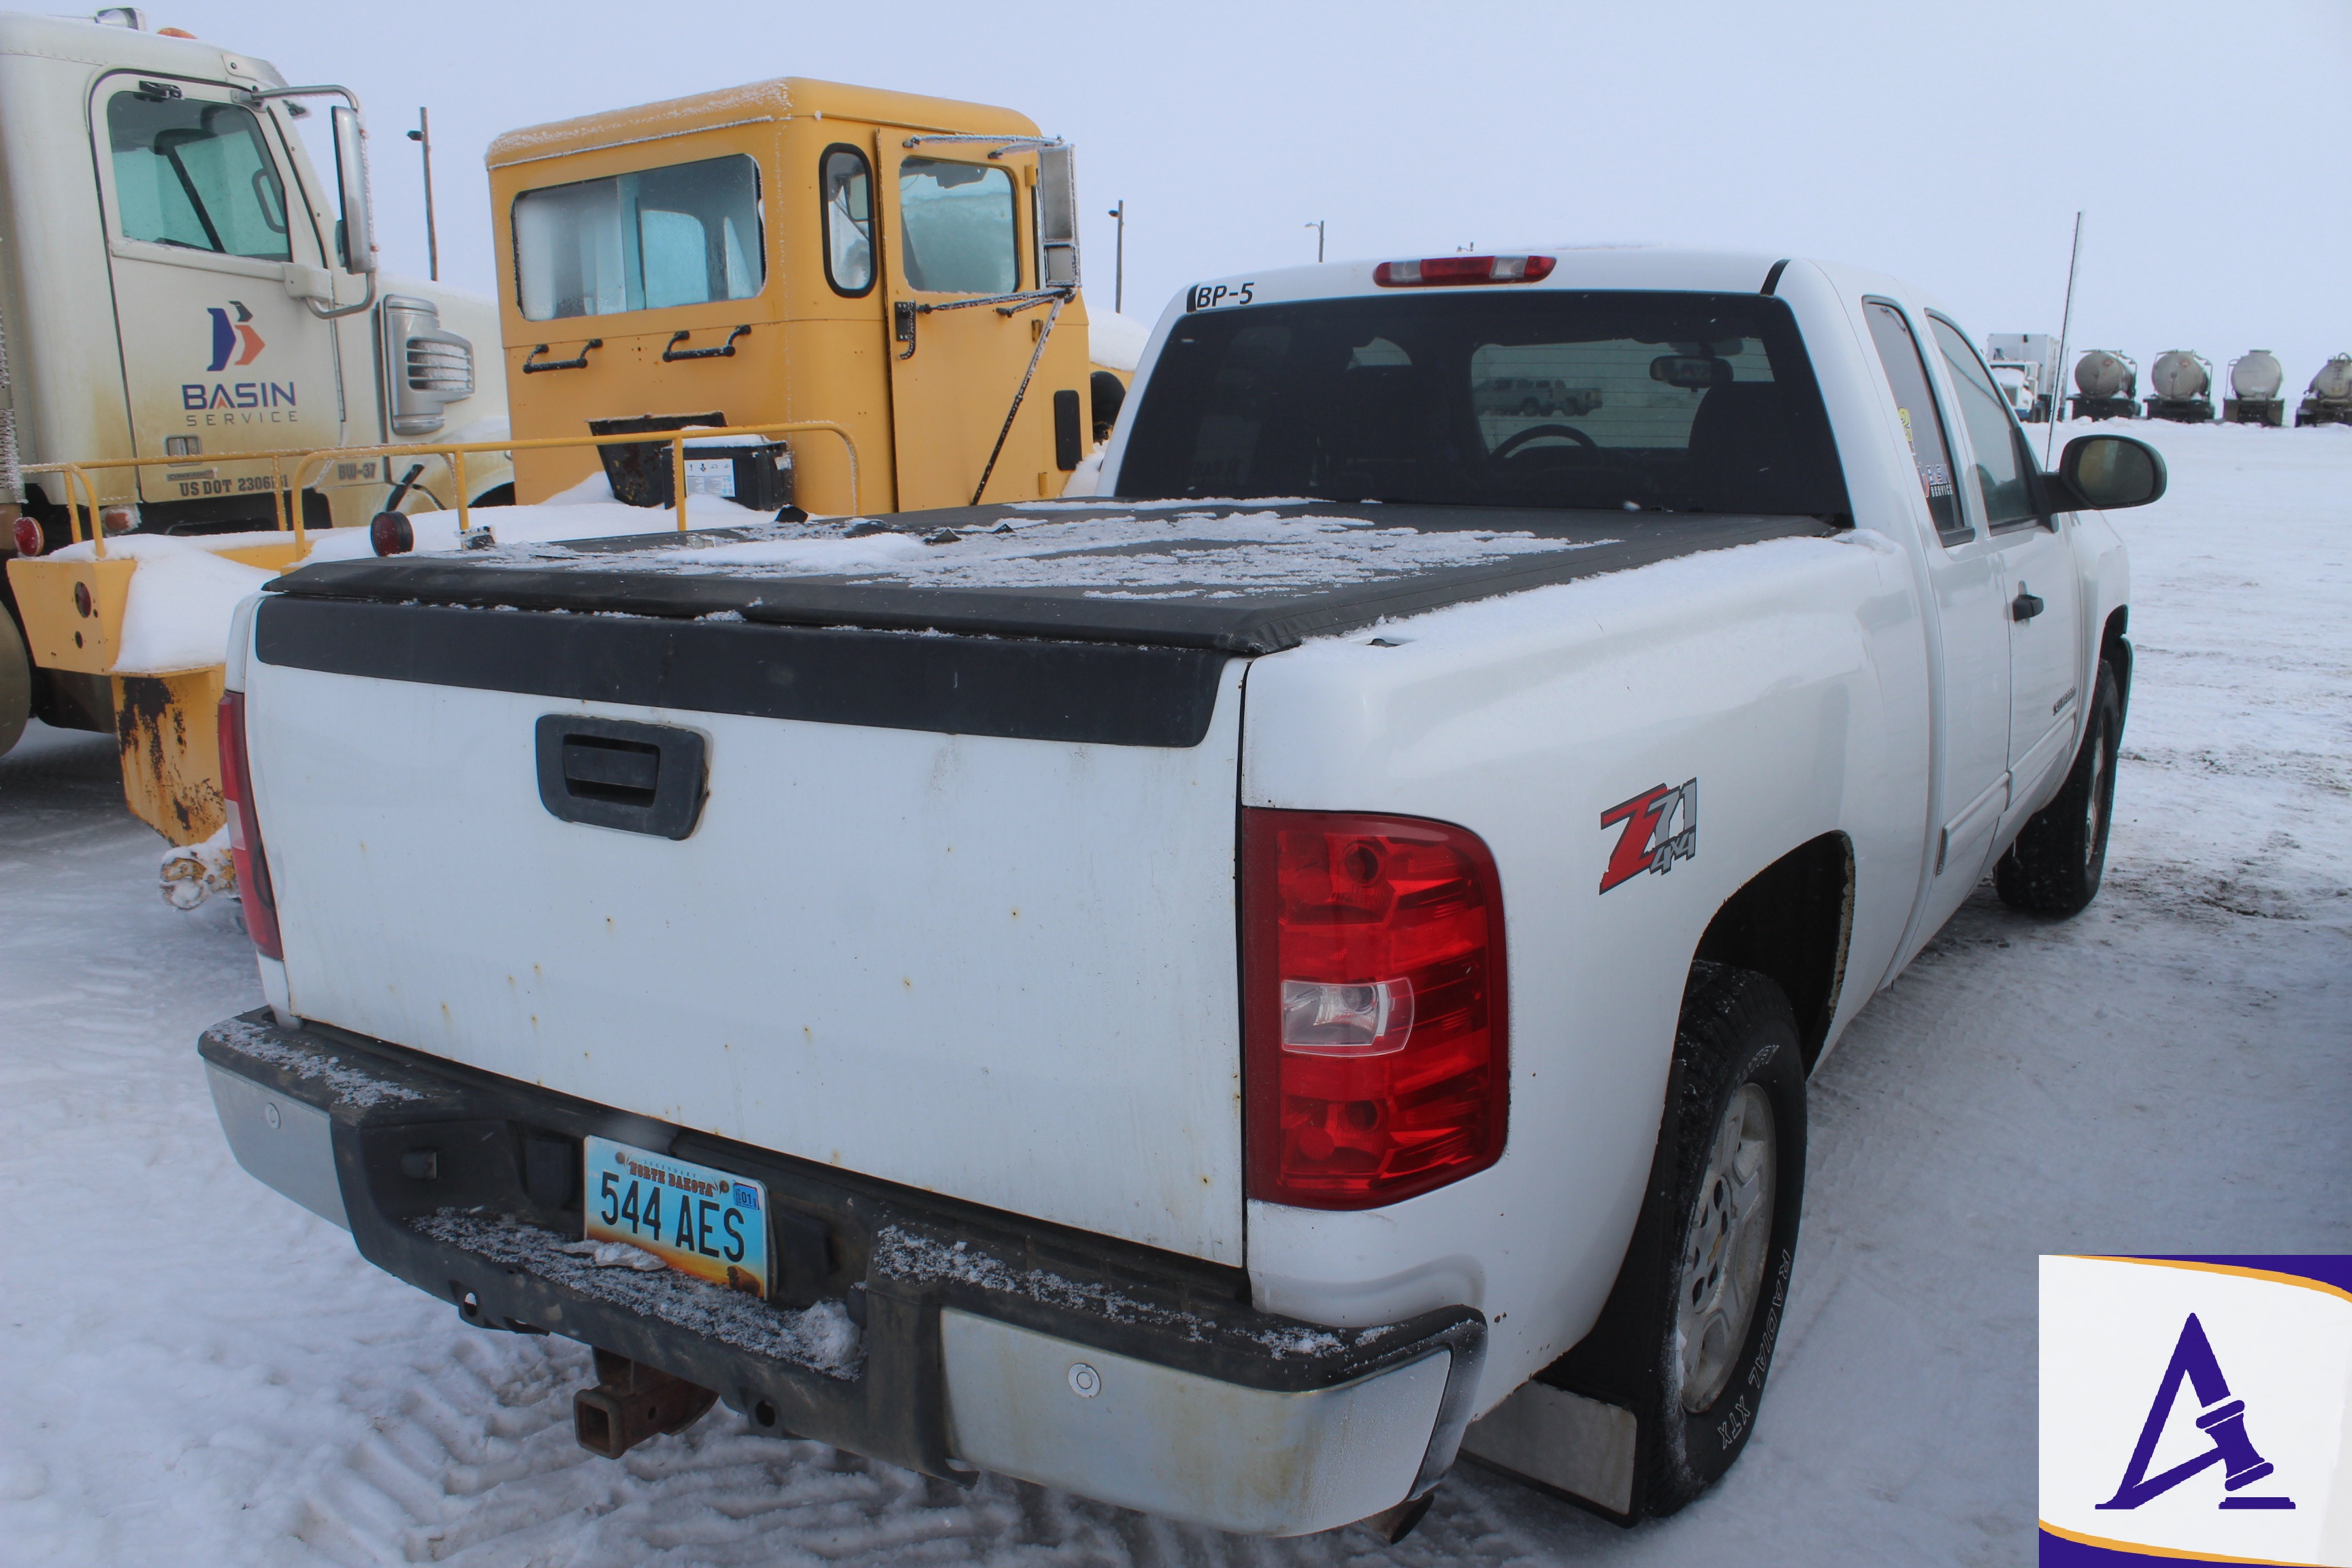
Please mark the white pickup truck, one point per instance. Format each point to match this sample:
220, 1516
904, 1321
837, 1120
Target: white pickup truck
1215, 997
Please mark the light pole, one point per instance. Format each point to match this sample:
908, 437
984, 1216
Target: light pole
1118, 275
1318, 227
423, 135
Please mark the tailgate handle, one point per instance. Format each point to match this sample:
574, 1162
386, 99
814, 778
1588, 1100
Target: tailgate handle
613, 772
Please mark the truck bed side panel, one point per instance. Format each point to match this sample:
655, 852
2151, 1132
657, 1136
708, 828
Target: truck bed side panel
1763, 674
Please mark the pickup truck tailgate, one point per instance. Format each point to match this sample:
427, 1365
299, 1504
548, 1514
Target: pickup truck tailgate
958, 912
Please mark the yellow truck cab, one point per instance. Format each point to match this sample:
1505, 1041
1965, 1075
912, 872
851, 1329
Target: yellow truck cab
905, 266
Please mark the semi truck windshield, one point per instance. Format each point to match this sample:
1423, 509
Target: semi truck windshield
1672, 402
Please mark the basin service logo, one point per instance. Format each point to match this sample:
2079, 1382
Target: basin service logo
229, 336
235, 343
2195, 1409
1659, 827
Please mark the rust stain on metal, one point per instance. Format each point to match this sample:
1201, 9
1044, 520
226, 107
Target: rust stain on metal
163, 726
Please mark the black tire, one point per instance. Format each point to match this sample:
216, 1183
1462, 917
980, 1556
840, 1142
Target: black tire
2056, 864
1737, 1035
1736, 1030
496, 495
16, 684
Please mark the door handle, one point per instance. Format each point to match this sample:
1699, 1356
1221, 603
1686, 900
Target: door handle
532, 364
2025, 606
614, 773
725, 350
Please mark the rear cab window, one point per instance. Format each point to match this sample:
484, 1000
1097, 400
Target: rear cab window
1923, 423
1669, 402
689, 234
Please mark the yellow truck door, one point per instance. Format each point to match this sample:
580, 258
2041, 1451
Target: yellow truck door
955, 228
205, 224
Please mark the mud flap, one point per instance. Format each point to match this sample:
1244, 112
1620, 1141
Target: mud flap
168, 728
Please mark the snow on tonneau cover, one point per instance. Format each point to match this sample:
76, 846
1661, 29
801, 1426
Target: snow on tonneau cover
956, 906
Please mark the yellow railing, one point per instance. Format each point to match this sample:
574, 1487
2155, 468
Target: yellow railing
78, 475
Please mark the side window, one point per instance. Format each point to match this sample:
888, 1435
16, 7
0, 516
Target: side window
2002, 458
196, 176
686, 235
848, 186
1922, 426
956, 228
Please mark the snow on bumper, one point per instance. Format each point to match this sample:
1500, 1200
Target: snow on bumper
982, 1342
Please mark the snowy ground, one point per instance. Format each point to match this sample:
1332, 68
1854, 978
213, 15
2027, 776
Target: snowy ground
197, 1371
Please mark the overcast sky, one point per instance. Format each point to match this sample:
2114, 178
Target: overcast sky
1950, 146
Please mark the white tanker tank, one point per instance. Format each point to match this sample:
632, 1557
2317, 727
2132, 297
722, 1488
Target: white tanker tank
2333, 380
2107, 385
2329, 401
2256, 378
2180, 386
2182, 375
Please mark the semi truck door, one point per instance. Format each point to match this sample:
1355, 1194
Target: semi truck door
1964, 570
2043, 603
203, 220
952, 230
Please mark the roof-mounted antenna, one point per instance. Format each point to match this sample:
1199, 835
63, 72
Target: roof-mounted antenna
2065, 325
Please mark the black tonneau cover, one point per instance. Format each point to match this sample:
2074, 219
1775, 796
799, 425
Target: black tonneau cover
1171, 581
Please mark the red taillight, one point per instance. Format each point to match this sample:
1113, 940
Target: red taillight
1435, 270
27, 532
1374, 1010
253, 887
391, 533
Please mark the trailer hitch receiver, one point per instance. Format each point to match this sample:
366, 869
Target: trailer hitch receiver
633, 1402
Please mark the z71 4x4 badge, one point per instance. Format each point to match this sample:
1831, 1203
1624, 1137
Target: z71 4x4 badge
1661, 827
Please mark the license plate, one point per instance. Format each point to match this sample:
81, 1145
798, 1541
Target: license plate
710, 1223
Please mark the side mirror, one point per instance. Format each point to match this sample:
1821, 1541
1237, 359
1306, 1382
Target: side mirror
2108, 473
352, 179
1058, 215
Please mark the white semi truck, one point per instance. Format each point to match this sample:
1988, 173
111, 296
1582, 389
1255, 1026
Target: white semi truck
178, 282
1220, 1005
2024, 365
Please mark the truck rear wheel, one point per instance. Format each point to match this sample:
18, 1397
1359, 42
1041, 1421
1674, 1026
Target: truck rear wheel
1656, 1402
1729, 1207
16, 684
2058, 860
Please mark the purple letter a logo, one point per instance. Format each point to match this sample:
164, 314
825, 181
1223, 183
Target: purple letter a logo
2224, 1421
